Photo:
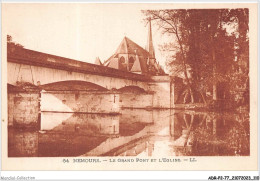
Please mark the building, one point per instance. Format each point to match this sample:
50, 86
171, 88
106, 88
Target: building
131, 57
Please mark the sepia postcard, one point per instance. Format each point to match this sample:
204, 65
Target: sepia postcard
129, 86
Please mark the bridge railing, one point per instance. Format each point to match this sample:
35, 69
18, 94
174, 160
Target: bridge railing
21, 55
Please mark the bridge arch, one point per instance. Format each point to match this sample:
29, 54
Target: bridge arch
132, 89
71, 85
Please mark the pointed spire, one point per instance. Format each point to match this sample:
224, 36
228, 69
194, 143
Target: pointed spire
149, 46
98, 62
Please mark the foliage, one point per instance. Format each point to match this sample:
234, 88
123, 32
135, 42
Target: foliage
12, 43
207, 47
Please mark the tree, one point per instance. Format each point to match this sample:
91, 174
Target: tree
203, 47
12, 43
170, 21
9, 39
240, 74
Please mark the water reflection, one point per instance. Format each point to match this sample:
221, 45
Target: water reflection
92, 124
134, 132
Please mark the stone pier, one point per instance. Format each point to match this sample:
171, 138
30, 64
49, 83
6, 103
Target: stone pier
23, 108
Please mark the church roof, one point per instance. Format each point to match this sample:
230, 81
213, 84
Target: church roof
113, 63
137, 65
127, 46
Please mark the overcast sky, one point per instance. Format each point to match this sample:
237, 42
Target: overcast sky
79, 31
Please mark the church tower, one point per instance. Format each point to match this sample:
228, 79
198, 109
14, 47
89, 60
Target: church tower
149, 47
131, 57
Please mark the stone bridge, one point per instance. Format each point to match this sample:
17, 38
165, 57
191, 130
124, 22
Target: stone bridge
66, 85
40, 69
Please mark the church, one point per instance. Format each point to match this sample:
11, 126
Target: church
131, 57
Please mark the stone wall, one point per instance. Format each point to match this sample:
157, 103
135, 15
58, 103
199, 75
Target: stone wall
23, 109
161, 98
166, 91
163, 91
11, 109
130, 100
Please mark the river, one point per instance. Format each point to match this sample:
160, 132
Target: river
134, 132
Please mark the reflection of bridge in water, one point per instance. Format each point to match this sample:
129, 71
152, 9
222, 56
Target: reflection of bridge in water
134, 132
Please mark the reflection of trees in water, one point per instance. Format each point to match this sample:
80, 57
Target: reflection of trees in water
184, 141
238, 138
215, 134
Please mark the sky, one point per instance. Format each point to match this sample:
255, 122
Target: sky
79, 31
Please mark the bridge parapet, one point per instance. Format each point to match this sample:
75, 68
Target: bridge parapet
161, 78
21, 55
